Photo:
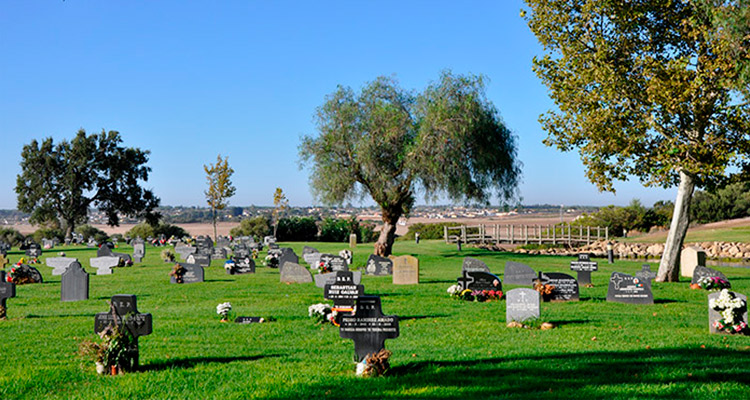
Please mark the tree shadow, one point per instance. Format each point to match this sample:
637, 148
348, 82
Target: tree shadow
408, 317
191, 362
38, 316
438, 281
571, 322
218, 280
667, 301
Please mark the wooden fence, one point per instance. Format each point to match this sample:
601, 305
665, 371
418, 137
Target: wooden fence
525, 234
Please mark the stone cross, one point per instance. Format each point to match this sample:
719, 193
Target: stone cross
368, 327
124, 312
7, 290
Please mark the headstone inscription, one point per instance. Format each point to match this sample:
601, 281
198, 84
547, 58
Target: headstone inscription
479, 280
368, 327
518, 274
379, 266
522, 304
624, 288
248, 320
74, 283
691, 257
566, 287
139, 250
203, 260
123, 312
405, 270
295, 273
244, 265
204, 245
584, 266
337, 263
193, 274
34, 250
219, 253
311, 255
104, 265
472, 264
645, 274
7, 290
59, 264
330, 277
701, 272
714, 315
343, 291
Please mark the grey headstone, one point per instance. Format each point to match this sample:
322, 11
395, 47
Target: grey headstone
379, 266
701, 272
287, 255
518, 274
59, 264
714, 315
74, 284
522, 304
219, 253
330, 277
472, 264
184, 250
194, 274
645, 274
624, 288
104, 265
139, 250
295, 273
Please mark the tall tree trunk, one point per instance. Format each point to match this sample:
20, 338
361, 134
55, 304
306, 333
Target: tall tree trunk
214, 215
384, 245
669, 267
69, 231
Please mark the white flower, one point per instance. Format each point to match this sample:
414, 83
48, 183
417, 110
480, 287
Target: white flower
728, 315
223, 308
454, 289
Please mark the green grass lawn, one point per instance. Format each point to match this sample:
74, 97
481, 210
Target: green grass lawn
735, 234
447, 348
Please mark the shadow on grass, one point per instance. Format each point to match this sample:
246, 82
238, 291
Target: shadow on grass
571, 322
667, 301
408, 317
36, 316
438, 281
184, 363
218, 280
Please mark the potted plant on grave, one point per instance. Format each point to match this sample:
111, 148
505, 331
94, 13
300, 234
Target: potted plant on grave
178, 271
167, 255
544, 290
114, 354
20, 275
223, 310
713, 283
271, 261
375, 364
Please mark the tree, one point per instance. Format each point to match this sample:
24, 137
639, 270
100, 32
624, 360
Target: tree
280, 204
220, 186
732, 17
643, 88
60, 182
389, 143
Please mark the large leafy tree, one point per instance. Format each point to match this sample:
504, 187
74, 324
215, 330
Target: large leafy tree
647, 89
389, 143
60, 182
220, 187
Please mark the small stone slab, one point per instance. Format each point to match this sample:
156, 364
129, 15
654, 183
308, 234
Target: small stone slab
194, 274
522, 304
518, 274
701, 272
337, 263
368, 327
624, 288
329, 277
287, 255
248, 320
139, 250
74, 284
379, 266
104, 265
714, 315
405, 270
203, 260
566, 287
295, 273
343, 291
59, 264
472, 264
479, 280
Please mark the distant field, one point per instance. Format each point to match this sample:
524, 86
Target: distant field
735, 230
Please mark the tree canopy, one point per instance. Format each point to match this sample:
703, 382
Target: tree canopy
389, 143
220, 187
60, 182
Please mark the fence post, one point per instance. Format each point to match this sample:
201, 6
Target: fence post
554, 234
588, 235
606, 233
570, 228
463, 233
526, 234
445, 233
511, 233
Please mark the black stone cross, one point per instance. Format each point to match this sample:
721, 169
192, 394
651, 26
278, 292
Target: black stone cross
7, 290
465, 280
368, 327
124, 312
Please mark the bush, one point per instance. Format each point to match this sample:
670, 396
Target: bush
11, 236
367, 233
257, 227
47, 233
297, 229
428, 231
145, 230
88, 231
335, 230
729, 202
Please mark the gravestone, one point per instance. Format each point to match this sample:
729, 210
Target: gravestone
368, 327
74, 283
4, 248
273, 246
219, 253
267, 240
92, 242
123, 312
295, 273
337, 263
204, 245
222, 241
33, 273
34, 250
244, 265
193, 274
3, 261
7, 290
691, 257
184, 250
59, 264
203, 260
472, 264
714, 315
522, 304
105, 250
241, 252
343, 291
311, 256
701, 272
139, 250
330, 277
518, 274
48, 244
627, 289
104, 265
584, 266
566, 287
248, 320
379, 266
479, 280
405, 270
645, 274
287, 256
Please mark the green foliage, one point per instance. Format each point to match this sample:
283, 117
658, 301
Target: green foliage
366, 232
47, 233
428, 231
632, 217
297, 229
89, 231
145, 230
732, 201
335, 230
257, 227
60, 182
11, 236
117, 236
220, 186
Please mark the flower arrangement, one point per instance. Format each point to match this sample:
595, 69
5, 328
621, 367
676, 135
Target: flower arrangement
731, 309
223, 310
324, 267
543, 289
713, 283
178, 271
115, 353
374, 364
255, 254
167, 255
474, 295
271, 261
20, 275
322, 313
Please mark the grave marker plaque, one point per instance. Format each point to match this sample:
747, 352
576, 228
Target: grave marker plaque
248, 320
584, 266
337, 263
702, 272
627, 289
7, 290
368, 327
193, 273
566, 287
104, 265
295, 273
343, 291
379, 266
139, 250
405, 270
472, 264
74, 284
714, 315
124, 313
201, 259
518, 274
59, 264
330, 277
522, 304
478, 280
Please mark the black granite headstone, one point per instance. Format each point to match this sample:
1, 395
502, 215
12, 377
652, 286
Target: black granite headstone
203, 260
7, 290
343, 291
624, 288
368, 327
518, 274
33, 250
244, 265
566, 287
337, 263
584, 266
287, 255
74, 284
478, 280
377, 265
124, 313
248, 320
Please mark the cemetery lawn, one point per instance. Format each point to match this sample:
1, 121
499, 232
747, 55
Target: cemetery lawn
447, 349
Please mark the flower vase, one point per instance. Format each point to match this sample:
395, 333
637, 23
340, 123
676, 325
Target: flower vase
100, 368
113, 370
224, 320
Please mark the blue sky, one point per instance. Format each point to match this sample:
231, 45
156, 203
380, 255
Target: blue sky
189, 80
